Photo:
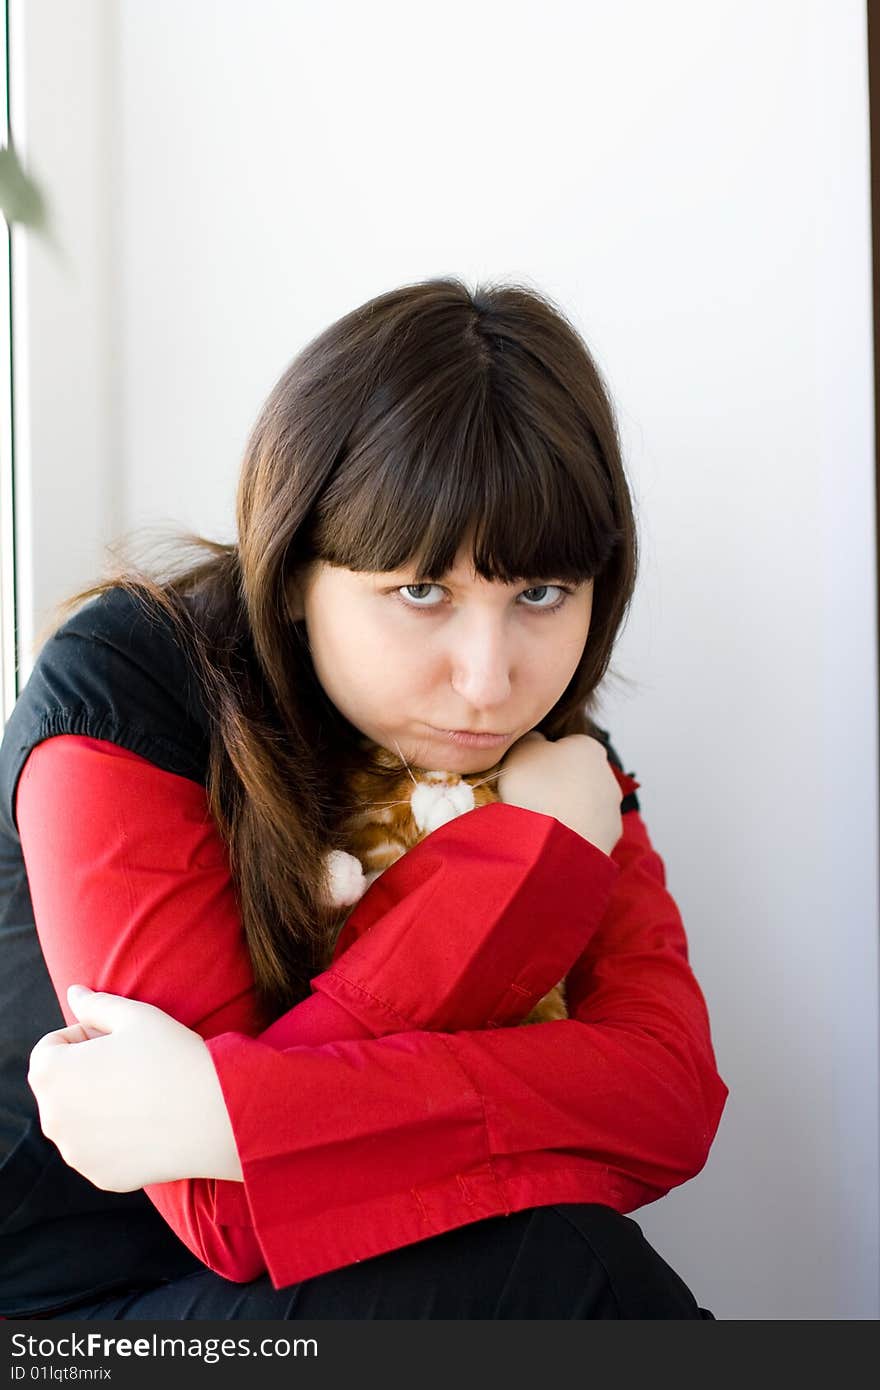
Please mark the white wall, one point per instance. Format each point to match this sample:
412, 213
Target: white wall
691, 183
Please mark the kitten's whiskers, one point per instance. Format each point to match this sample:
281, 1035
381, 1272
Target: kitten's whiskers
405, 763
490, 778
373, 804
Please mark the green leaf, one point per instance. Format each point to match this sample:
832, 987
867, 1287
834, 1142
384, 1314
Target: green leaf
20, 198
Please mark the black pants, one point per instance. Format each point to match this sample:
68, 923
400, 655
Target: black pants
578, 1260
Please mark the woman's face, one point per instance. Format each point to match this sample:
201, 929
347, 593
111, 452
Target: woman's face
404, 659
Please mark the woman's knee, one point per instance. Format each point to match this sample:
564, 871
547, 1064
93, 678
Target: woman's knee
640, 1281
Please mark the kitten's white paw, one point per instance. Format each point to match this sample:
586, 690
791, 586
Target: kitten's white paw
345, 877
436, 800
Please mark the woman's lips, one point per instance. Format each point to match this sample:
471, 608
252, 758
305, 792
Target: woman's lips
466, 740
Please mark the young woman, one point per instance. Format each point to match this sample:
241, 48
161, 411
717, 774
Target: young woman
435, 534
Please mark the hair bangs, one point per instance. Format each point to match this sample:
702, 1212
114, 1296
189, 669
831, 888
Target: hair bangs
412, 498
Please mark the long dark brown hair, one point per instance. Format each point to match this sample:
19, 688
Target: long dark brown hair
429, 414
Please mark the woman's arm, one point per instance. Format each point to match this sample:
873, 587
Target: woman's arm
132, 895
618, 1104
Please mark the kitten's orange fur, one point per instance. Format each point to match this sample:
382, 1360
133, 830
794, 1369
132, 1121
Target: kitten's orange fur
394, 807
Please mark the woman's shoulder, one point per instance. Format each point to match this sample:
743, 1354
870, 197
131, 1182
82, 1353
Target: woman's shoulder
122, 647
120, 615
116, 669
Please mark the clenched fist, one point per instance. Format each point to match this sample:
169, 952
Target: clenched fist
570, 779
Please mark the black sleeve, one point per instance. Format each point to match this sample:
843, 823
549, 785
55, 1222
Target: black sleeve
115, 670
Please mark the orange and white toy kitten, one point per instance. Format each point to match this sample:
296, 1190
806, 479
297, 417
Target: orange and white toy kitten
394, 814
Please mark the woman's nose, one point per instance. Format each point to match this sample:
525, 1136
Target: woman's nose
481, 665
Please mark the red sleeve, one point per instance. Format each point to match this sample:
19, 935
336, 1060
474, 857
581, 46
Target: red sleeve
132, 894
622, 1098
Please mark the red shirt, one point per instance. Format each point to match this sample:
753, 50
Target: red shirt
395, 1102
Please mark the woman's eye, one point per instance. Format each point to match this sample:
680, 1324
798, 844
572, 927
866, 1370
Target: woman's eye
539, 589
545, 589
409, 587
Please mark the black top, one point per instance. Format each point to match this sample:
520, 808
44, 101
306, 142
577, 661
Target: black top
112, 671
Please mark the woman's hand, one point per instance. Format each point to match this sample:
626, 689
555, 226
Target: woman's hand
130, 1096
570, 779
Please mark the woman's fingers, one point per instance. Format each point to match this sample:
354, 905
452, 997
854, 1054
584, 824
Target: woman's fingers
78, 1032
62, 1037
59, 1038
